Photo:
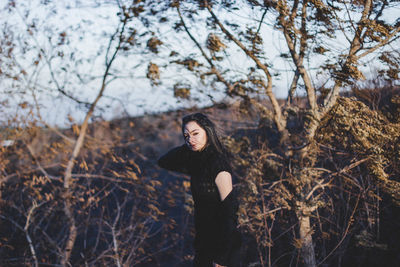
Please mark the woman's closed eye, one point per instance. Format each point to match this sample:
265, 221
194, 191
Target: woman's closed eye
186, 137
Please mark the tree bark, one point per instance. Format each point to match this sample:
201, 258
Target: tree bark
72, 232
305, 232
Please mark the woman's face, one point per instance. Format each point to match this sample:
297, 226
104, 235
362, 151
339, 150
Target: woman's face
195, 136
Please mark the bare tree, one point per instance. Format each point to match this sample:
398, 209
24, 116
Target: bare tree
64, 170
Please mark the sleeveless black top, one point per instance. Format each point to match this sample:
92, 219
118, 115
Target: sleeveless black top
215, 220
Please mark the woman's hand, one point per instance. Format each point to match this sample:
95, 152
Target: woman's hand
217, 265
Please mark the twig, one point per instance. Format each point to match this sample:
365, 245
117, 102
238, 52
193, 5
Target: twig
345, 232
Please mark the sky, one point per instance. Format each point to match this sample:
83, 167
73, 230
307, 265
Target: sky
79, 72
88, 28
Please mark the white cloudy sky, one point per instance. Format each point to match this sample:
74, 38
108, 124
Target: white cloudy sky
88, 28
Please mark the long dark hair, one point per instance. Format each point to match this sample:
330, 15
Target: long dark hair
204, 122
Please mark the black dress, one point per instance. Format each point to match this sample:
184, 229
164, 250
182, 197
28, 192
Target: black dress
217, 238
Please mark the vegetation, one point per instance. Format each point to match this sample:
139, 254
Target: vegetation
318, 174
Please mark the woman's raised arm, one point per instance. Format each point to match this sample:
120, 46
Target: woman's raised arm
175, 159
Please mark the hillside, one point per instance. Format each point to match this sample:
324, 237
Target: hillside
128, 210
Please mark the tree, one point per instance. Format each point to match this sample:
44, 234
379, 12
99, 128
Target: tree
328, 40
73, 182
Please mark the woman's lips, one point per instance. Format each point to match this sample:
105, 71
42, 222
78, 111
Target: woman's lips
193, 147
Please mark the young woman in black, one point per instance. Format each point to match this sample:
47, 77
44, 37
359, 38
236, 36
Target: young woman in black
204, 158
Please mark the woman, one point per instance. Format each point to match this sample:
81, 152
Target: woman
204, 158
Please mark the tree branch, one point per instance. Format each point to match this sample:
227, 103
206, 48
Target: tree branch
278, 118
289, 29
384, 42
78, 145
355, 45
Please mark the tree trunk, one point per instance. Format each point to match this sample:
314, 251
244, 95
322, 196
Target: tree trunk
73, 231
305, 231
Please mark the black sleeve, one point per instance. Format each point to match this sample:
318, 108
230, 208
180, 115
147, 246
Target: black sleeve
230, 236
220, 163
175, 160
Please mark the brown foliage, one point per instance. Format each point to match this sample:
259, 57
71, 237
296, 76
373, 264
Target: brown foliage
112, 199
356, 167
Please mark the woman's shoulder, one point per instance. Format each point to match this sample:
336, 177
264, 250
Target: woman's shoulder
220, 161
